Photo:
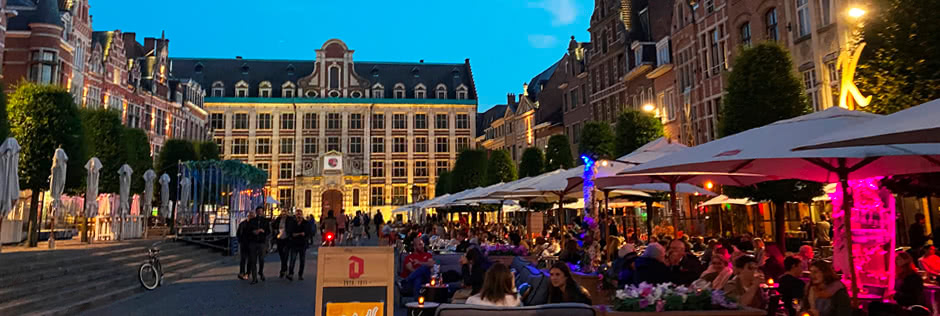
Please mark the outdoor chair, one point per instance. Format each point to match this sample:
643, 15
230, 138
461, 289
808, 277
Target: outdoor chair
565, 309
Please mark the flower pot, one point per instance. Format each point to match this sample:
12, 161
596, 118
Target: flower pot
608, 311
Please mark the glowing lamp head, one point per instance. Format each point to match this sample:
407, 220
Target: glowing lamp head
421, 300
329, 236
805, 314
433, 282
856, 12
709, 185
604, 163
770, 281
649, 107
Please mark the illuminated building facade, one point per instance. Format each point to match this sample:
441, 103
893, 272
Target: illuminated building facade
334, 133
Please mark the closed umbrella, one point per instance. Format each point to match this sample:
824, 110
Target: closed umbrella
125, 179
57, 187
9, 177
91, 191
185, 190
149, 176
164, 195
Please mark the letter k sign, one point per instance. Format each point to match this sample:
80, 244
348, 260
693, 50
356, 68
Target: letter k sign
356, 265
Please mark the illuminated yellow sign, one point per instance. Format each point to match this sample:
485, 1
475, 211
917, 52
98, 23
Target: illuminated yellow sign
847, 62
354, 309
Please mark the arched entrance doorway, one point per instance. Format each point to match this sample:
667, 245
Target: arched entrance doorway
332, 200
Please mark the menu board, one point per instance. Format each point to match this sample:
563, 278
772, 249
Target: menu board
355, 281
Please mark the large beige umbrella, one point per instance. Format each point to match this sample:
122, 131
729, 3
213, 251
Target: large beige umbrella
91, 191
9, 177
915, 125
56, 188
125, 178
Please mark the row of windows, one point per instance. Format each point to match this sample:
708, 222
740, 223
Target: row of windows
377, 197
289, 90
334, 121
239, 146
398, 168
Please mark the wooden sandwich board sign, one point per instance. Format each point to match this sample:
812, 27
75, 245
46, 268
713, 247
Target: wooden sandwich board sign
355, 281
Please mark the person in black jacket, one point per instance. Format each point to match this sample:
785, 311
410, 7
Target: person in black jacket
473, 268
243, 240
651, 267
378, 221
909, 287
684, 266
564, 288
258, 230
298, 229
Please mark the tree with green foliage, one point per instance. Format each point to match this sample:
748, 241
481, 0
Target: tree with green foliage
635, 129
442, 186
533, 162
174, 151
207, 150
137, 155
4, 121
103, 131
763, 89
899, 67
558, 153
469, 170
500, 168
43, 118
597, 140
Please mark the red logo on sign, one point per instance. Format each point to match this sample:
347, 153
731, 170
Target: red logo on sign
356, 265
332, 162
729, 153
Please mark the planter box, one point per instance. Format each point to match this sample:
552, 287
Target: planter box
506, 260
605, 310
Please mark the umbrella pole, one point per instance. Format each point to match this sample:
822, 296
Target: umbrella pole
52, 225
674, 205
847, 227
649, 219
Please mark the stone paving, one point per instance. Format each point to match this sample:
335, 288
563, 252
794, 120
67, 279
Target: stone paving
218, 292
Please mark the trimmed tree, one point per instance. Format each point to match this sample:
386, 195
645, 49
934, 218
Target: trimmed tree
43, 118
469, 170
597, 140
533, 162
442, 186
103, 139
500, 168
207, 150
898, 68
763, 89
635, 129
558, 153
137, 155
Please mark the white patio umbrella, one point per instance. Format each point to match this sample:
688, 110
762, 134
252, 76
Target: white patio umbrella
185, 192
93, 166
125, 189
57, 187
919, 124
164, 194
9, 177
765, 150
724, 199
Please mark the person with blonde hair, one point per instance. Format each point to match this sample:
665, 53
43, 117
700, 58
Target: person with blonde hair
499, 289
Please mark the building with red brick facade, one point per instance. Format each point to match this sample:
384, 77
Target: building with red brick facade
52, 42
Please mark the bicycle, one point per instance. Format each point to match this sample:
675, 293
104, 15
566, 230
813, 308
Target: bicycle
150, 273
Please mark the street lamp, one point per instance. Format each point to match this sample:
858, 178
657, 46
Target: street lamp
709, 185
649, 107
856, 12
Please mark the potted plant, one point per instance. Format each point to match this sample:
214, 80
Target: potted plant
670, 300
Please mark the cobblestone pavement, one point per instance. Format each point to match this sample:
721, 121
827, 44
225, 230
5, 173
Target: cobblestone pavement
218, 292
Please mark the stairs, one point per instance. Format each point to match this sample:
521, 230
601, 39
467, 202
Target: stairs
68, 281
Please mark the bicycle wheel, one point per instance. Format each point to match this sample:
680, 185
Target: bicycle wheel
149, 276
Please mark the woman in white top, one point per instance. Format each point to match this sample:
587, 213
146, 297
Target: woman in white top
499, 289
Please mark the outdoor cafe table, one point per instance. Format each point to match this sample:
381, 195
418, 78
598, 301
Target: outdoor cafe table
426, 309
434, 293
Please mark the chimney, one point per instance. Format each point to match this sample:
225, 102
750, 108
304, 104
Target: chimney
238, 57
130, 37
149, 44
510, 98
421, 61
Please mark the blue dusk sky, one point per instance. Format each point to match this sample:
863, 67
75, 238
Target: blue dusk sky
508, 41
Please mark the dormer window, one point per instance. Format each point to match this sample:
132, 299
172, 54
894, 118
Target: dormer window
455, 73
198, 68
287, 90
462, 92
415, 72
399, 91
218, 89
264, 89
244, 68
375, 72
290, 70
241, 89
441, 91
378, 91
420, 92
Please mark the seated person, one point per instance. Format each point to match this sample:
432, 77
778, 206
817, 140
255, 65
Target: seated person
909, 287
930, 261
416, 270
744, 288
473, 266
684, 266
553, 247
718, 272
571, 254
826, 294
499, 289
806, 257
564, 288
791, 287
651, 266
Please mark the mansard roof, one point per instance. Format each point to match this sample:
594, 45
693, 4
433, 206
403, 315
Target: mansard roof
35, 11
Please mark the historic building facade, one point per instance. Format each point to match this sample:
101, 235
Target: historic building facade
334, 133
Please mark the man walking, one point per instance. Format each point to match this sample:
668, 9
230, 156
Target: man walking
366, 221
299, 229
244, 238
313, 224
378, 221
329, 226
341, 224
258, 228
283, 249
